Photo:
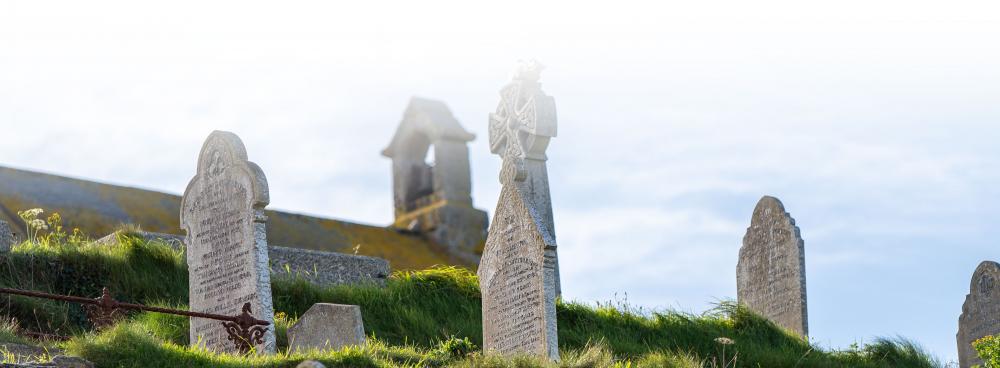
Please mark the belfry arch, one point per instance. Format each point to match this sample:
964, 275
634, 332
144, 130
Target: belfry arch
434, 198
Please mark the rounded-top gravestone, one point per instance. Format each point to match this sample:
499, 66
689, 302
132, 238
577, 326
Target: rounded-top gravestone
223, 213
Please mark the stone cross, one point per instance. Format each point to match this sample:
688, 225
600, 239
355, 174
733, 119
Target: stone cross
520, 130
6, 237
771, 271
980, 313
223, 213
518, 273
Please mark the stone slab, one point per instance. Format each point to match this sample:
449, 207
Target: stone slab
327, 327
980, 312
771, 271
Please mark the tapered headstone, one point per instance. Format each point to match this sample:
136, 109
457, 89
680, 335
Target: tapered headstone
771, 271
518, 271
980, 313
223, 213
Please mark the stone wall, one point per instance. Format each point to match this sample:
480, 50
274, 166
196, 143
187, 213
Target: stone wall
326, 268
321, 268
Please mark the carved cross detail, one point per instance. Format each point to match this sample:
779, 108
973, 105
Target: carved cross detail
986, 285
523, 123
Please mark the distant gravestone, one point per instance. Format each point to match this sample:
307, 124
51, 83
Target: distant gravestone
6, 237
518, 270
327, 327
223, 213
771, 271
980, 313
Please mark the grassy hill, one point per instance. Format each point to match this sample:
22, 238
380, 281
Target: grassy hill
427, 318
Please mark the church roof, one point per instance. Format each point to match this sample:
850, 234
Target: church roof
98, 209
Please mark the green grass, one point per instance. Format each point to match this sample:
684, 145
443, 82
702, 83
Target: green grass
989, 350
426, 318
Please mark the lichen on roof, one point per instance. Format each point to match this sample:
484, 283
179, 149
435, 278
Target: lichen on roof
99, 209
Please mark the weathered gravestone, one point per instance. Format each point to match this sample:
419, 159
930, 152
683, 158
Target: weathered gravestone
518, 271
327, 327
771, 271
223, 213
980, 313
6, 237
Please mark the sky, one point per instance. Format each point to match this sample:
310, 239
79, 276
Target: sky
873, 121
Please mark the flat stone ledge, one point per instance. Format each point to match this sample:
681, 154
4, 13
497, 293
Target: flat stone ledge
327, 268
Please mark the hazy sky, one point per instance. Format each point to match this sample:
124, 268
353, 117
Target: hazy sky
874, 122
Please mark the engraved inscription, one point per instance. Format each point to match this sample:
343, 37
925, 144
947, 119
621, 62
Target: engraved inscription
513, 295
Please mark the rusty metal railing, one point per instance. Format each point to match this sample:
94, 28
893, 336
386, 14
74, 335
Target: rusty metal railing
244, 330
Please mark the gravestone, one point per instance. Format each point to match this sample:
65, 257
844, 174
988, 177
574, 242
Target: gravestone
223, 213
771, 271
6, 237
980, 313
518, 271
327, 327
